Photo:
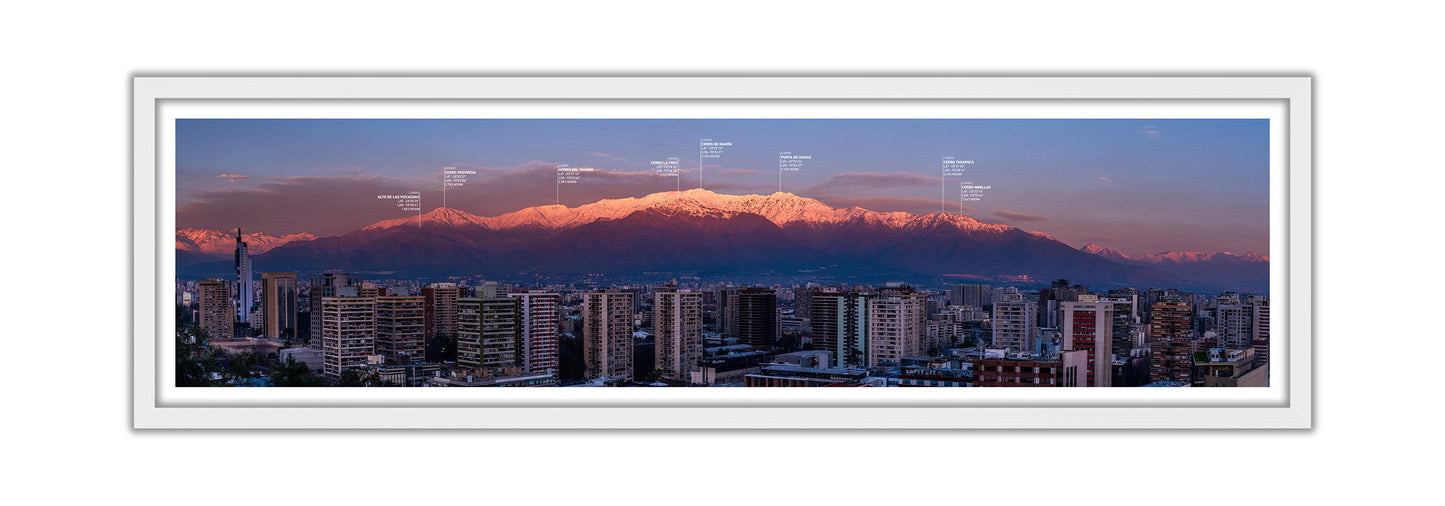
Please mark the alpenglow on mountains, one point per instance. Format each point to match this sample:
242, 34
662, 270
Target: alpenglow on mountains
698, 232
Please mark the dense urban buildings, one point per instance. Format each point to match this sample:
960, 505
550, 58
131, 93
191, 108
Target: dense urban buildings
890, 335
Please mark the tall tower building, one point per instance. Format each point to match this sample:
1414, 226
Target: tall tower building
1015, 325
217, 315
487, 331
757, 317
278, 305
1171, 342
348, 333
399, 327
539, 317
324, 286
897, 323
1259, 306
677, 317
245, 292
607, 334
1088, 327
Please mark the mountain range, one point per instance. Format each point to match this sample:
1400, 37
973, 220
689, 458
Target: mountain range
1249, 272
699, 232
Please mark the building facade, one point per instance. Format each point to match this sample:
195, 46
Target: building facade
677, 320
897, 325
245, 291
217, 316
487, 331
278, 305
1088, 327
607, 335
399, 328
1015, 325
1171, 341
348, 333
537, 350
323, 286
757, 317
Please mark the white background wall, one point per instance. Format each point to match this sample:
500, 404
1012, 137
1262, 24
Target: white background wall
67, 436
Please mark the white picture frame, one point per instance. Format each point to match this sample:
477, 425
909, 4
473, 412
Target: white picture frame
1286, 404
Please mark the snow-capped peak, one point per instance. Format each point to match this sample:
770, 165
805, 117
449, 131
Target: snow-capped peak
781, 208
439, 216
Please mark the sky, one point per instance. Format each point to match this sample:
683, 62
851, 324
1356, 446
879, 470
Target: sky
1139, 186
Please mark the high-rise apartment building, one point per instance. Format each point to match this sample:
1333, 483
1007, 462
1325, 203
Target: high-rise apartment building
757, 317
441, 310
487, 331
727, 309
1015, 325
1260, 311
1171, 341
217, 316
278, 305
1088, 327
897, 324
607, 334
677, 319
324, 286
823, 308
1125, 319
348, 333
245, 291
1234, 324
803, 302
540, 311
399, 324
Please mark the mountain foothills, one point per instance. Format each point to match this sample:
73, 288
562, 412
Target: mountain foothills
699, 232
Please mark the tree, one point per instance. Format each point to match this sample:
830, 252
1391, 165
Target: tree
291, 373
195, 361
240, 367
352, 378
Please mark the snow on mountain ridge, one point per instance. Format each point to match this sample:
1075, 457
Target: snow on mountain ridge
779, 208
222, 242
1178, 257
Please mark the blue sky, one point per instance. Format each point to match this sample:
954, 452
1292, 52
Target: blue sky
1137, 185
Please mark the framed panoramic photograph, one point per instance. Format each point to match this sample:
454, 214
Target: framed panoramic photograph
722, 252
